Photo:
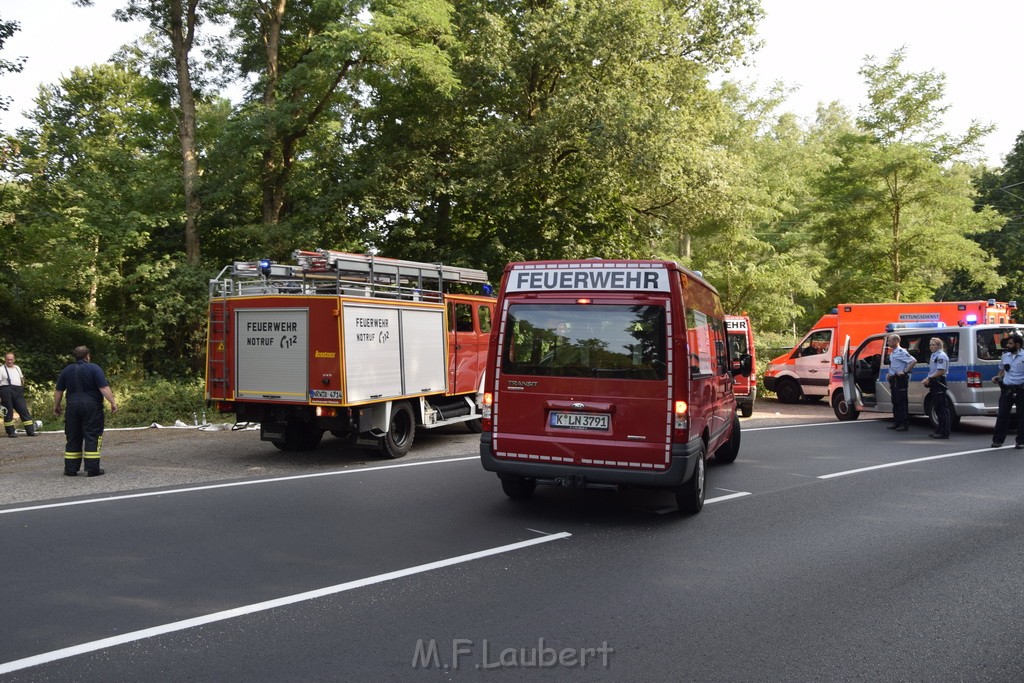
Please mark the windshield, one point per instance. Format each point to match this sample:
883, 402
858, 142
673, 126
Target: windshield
585, 340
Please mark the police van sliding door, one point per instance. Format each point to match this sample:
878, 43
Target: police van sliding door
272, 354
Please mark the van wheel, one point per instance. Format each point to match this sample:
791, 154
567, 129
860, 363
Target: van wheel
747, 409
844, 412
690, 496
788, 391
933, 419
401, 431
519, 488
475, 426
728, 451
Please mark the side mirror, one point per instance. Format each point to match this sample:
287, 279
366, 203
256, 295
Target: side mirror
742, 365
838, 360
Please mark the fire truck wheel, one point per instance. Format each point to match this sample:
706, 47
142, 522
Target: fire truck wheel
747, 409
690, 496
475, 426
401, 432
842, 409
788, 391
728, 451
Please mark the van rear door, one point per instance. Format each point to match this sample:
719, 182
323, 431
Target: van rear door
584, 383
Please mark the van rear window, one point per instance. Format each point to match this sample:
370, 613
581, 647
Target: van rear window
585, 340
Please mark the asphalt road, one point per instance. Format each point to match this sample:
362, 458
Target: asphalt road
827, 551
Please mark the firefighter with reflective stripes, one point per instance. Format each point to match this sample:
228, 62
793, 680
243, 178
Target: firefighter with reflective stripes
86, 387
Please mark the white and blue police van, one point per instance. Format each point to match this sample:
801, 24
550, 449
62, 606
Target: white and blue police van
974, 355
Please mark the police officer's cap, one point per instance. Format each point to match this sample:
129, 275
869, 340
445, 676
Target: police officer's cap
1015, 337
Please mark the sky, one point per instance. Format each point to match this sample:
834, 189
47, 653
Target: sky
815, 46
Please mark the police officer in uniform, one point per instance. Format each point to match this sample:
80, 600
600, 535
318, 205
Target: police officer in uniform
900, 365
86, 386
1011, 393
12, 395
938, 365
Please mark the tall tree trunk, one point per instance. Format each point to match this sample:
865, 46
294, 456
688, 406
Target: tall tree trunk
271, 176
182, 36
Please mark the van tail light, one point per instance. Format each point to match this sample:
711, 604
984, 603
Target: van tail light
681, 411
485, 412
974, 380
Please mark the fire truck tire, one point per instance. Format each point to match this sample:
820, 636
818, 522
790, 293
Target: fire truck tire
842, 409
933, 420
728, 451
475, 426
690, 496
788, 390
519, 488
747, 409
401, 432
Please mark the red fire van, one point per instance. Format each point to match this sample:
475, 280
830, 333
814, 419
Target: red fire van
608, 373
741, 344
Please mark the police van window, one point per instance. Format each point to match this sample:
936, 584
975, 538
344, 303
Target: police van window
917, 345
598, 341
483, 314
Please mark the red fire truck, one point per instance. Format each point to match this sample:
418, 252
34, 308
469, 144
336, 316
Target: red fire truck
364, 347
741, 343
608, 374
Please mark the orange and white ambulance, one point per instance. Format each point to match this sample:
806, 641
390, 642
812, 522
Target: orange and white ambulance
807, 371
741, 343
609, 374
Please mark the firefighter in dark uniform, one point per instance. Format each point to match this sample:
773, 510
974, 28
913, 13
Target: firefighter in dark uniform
938, 366
12, 396
86, 386
1011, 390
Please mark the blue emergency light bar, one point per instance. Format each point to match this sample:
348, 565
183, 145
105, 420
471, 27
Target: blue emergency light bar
896, 327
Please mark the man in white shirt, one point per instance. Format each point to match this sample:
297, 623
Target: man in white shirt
1011, 382
12, 396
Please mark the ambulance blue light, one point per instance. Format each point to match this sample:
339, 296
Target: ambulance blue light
972, 318
265, 266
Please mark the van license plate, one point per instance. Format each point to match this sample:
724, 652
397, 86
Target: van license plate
580, 420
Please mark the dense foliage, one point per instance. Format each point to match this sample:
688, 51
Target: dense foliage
472, 132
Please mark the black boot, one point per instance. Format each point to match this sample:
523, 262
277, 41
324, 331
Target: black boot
71, 466
12, 433
30, 429
92, 467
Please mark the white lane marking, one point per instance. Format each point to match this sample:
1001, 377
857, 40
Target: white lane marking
707, 501
904, 462
54, 655
252, 482
719, 499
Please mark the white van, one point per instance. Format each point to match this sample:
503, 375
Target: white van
974, 353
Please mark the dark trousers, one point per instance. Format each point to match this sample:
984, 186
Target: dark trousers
83, 429
13, 399
1009, 396
937, 388
900, 401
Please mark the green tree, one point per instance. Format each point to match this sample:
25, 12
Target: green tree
580, 129
8, 29
99, 184
896, 213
